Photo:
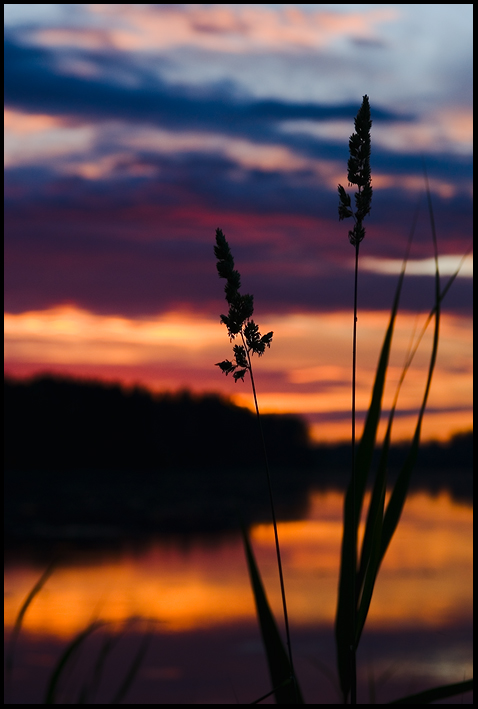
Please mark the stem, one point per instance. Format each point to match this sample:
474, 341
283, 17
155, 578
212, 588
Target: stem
274, 523
353, 664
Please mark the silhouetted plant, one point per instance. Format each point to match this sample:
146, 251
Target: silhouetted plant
359, 174
238, 322
358, 574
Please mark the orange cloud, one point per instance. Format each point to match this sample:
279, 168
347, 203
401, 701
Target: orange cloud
441, 130
306, 371
20, 123
67, 334
30, 138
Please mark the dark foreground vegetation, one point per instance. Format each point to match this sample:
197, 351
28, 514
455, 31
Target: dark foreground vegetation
88, 460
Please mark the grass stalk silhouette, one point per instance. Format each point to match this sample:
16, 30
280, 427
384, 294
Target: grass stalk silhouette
238, 322
358, 573
358, 174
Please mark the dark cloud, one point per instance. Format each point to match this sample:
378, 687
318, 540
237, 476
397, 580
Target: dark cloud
141, 245
127, 252
125, 90
34, 81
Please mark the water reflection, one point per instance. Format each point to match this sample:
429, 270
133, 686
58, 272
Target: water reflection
202, 590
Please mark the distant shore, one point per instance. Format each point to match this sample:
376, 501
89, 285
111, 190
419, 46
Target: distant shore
91, 461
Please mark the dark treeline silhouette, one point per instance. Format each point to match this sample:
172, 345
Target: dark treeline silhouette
81, 456
439, 466
90, 458
64, 424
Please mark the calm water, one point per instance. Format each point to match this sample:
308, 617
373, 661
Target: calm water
205, 646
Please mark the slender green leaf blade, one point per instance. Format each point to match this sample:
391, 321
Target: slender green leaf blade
19, 620
371, 546
278, 661
90, 688
68, 653
367, 442
399, 493
375, 510
131, 674
372, 566
344, 631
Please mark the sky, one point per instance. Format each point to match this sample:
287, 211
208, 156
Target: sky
133, 131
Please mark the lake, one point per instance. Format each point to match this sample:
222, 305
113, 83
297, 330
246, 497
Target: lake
192, 598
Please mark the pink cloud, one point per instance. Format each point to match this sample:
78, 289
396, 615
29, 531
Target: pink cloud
238, 28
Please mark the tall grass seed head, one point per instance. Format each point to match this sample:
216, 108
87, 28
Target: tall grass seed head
241, 308
359, 174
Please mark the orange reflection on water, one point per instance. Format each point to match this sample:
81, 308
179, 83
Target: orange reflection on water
425, 580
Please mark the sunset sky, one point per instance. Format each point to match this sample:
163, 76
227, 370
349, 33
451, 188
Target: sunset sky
133, 131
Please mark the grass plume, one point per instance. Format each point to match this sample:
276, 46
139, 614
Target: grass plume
359, 174
238, 322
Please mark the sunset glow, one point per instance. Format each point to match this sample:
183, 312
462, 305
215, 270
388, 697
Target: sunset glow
306, 372
205, 587
133, 131
167, 167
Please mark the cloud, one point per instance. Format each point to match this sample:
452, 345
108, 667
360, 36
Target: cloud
117, 178
448, 266
35, 82
306, 371
239, 28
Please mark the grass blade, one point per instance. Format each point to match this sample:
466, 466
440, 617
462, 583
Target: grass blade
90, 689
344, 626
433, 695
345, 633
19, 620
133, 670
67, 655
279, 666
373, 565
370, 554
381, 474
399, 493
